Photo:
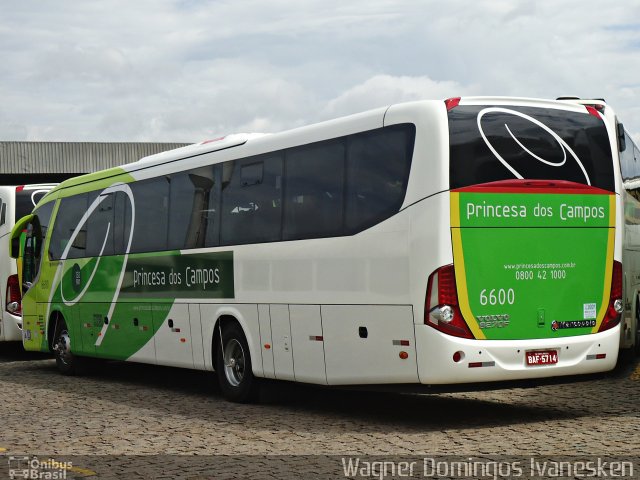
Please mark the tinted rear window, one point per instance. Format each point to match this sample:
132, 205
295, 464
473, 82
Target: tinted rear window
26, 200
501, 143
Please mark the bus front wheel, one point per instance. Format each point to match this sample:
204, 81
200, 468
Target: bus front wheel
66, 361
233, 365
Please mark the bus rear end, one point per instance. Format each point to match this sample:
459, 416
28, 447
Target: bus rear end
18, 202
535, 288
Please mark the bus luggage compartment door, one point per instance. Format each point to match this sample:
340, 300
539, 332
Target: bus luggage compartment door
369, 344
282, 343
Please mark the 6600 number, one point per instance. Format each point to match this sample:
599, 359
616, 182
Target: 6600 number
497, 296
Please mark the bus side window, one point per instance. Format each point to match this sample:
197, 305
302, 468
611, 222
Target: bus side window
188, 208
252, 200
377, 172
150, 232
628, 162
69, 214
100, 228
630, 167
3, 212
122, 223
314, 186
41, 226
212, 207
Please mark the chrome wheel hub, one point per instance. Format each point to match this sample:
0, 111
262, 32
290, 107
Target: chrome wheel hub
234, 362
62, 348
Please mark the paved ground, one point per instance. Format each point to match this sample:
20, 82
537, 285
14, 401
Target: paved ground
115, 418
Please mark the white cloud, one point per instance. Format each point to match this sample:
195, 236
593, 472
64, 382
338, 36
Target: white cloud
183, 70
382, 90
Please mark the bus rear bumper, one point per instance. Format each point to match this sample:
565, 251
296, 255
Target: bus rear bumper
498, 360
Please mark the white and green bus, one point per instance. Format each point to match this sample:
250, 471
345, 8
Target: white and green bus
427, 243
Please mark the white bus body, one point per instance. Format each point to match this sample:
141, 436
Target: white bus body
348, 308
15, 202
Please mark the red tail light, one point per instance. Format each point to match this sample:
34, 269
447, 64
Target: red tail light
452, 103
592, 111
614, 310
14, 298
441, 310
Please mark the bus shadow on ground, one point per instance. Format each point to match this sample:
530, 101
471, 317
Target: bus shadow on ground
14, 352
334, 410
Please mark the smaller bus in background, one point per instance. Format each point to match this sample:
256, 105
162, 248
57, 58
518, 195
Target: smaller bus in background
629, 155
15, 203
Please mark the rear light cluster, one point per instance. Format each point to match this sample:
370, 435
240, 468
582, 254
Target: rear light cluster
451, 103
592, 111
441, 310
14, 299
616, 304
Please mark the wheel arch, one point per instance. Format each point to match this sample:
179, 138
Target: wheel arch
247, 318
221, 322
53, 323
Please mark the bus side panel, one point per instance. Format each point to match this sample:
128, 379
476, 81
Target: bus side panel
195, 325
266, 342
429, 246
365, 344
282, 343
308, 343
429, 170
173, 339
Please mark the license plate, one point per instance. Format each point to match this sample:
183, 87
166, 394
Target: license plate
541, 357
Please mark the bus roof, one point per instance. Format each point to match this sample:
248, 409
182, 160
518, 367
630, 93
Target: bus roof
572, 104
229, 141
239, 139
207, 146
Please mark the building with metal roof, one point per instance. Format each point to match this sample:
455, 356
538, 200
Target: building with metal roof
40, 162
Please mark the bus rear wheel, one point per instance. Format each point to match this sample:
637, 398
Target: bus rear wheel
66, 361
233, 365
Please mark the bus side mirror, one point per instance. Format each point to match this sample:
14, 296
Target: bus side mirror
16, 232
622, 143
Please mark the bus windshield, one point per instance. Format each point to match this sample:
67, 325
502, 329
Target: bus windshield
491, 143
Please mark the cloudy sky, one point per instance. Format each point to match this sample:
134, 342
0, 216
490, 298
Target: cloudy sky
188, 70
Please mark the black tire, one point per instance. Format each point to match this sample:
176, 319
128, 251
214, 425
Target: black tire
235, 375
66, 361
